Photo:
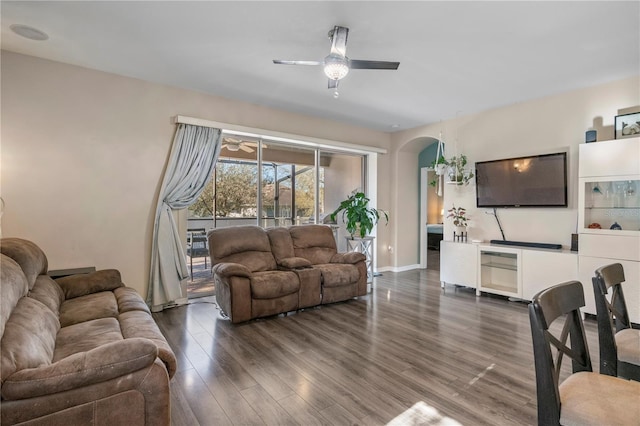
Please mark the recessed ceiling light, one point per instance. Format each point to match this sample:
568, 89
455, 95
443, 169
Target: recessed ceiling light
395, 126
29, 32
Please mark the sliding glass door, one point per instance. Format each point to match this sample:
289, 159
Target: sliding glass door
269, 183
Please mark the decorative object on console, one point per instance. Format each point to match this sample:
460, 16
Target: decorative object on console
357, 215
459, 216
594, 225
590, 136
616, 226
627, 126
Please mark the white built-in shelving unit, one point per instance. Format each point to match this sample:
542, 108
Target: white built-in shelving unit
609, 216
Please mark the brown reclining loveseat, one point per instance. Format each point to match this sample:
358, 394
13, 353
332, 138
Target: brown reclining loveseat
262, 272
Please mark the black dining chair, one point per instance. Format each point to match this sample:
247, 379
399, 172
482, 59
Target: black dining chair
619, 341
584, 397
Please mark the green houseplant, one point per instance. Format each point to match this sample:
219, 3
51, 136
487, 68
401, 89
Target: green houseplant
457, 172
459, 216
455, 168
357, 215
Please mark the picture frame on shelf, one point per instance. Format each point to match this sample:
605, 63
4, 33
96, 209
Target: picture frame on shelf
627, 126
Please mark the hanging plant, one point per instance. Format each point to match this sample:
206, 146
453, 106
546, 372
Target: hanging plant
457, 171
440, 166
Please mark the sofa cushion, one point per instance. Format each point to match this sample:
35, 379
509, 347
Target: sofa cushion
31, 259
272, 284
85, 336
337, 274
89, 307
315, 243
29, 337
628, 343
246, 245
47, 291
13, 286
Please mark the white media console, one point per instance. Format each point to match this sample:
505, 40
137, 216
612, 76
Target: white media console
609, 232
517, 272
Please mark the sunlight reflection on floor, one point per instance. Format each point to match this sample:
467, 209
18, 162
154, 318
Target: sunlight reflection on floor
422, 414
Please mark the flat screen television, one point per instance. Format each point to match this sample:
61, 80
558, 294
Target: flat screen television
536, 181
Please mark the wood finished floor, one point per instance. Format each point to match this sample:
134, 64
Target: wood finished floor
361, 362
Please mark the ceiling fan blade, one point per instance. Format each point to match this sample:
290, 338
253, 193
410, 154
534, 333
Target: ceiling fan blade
246, 148
333, 84
284, 62
357, 64
339, 40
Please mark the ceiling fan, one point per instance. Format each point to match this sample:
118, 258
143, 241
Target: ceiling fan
235, 145
337, 65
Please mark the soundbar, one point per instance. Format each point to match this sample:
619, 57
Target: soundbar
527, 244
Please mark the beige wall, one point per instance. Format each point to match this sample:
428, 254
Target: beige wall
83, 154
550, 124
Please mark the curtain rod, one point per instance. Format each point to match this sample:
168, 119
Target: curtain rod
280, 136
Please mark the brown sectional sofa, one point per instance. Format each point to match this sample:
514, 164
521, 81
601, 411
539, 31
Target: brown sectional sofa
82, 349
262, 272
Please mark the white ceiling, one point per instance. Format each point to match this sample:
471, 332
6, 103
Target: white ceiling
456, 58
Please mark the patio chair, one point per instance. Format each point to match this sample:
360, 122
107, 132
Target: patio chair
197, 246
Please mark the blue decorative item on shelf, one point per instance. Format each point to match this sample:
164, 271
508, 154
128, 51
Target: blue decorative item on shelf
616, 226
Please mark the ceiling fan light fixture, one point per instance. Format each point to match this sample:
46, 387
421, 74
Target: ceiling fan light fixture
233, 147
335, 67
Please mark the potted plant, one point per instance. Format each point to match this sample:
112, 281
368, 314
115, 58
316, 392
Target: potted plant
458, 174
439, 165
357, 215
455, 168
459, 216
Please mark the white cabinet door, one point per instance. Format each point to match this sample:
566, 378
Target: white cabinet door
610, 158
631, 287
458, 263
500, 270
542, 269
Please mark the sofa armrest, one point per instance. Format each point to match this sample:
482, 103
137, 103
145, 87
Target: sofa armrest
294, 263
94, 282
349, 257
103, 363
231, 269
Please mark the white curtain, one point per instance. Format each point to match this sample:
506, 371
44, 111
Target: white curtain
193, 157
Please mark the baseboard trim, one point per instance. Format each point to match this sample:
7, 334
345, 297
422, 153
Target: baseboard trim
399, 268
